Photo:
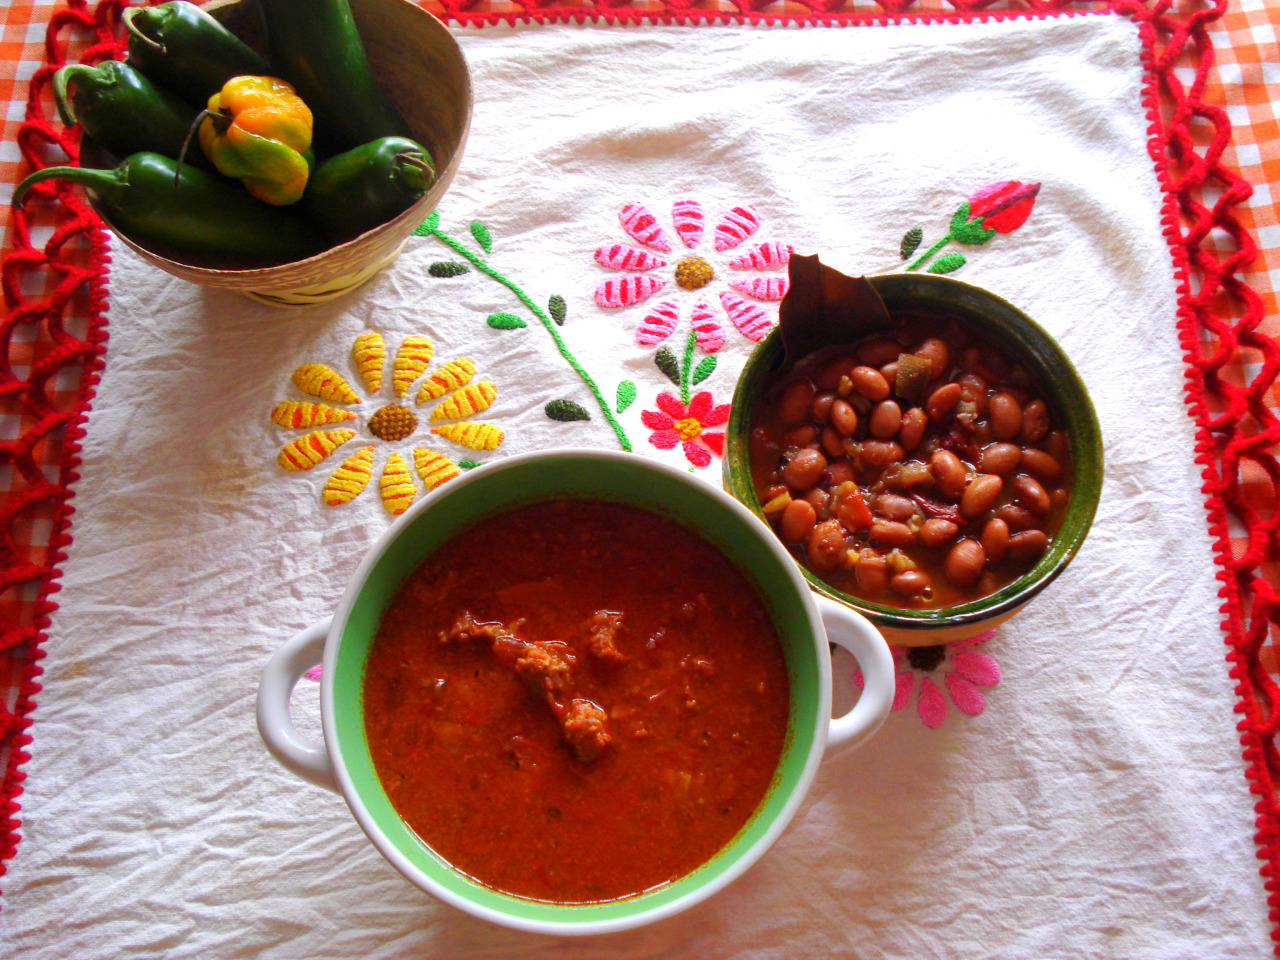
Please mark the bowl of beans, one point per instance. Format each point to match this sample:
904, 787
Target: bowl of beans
935, 471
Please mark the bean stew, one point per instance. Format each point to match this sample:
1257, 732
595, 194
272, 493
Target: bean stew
918, 468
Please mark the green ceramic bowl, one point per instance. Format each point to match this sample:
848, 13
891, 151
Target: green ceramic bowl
1003, 324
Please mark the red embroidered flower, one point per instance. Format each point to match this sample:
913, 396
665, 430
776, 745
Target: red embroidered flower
1003, 206
702, 279
964, 672
673, 423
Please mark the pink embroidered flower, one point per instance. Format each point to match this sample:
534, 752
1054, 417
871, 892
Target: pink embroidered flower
641, 272
673, 423
1004, 206
964, 671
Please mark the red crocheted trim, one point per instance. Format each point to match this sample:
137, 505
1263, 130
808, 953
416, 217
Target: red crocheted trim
1218, 316
72, 260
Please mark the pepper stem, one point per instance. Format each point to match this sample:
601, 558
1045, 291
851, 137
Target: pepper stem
220, 121
61, 79
127, 19
100, 180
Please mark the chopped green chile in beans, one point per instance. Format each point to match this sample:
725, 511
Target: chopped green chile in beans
907, 493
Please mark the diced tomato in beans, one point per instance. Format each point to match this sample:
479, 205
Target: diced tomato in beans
906, 492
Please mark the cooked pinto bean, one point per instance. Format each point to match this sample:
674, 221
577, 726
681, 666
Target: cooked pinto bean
798, 519
909, 583
892, 534
1035, 421
886, 417
948, 473
980, 495
1028, 546
881, 453
1005, 413
937, 532
820, 406
1028, 492
942, 401
795, 400
995, 539
844, 417
937, 353
804, 469
826, 545
1041, 465
832, 442
964, 563
1001, 458
1016, 517
895, 506
869, 382
912, 429
800, 436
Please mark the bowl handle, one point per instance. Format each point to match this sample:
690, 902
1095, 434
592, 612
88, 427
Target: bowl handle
297, 754
855, 633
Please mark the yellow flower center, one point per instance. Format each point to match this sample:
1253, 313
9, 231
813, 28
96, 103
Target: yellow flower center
688, 429
693, 273
393, 422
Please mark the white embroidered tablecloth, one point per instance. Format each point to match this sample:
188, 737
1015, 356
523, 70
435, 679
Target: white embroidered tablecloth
1074, 789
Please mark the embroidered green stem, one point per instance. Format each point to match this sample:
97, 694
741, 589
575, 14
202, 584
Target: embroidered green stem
686, 369
430, 228
930, 252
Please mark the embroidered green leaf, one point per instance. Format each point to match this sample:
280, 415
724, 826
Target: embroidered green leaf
468, 464
947, 263
566, 411
969, 231
910, 241
428, 225
482, 235
504, 321
626, 394
447, 268
668, 364
704, 369
557, 308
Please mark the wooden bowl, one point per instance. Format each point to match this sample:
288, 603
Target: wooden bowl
419, 65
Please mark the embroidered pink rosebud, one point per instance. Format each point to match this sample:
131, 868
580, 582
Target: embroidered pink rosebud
771, 289
1004, 206
616, 292
643, 225
706, 328
750, 319
763, 256
736, 226
688, 218
659, 323
620, 256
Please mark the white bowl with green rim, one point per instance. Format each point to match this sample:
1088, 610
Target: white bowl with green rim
804, 621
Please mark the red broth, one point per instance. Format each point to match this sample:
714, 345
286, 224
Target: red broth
576, 701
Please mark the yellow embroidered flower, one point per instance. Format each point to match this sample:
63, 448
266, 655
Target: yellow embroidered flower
452, 384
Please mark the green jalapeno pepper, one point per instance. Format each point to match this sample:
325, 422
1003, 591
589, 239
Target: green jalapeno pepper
187, 213
314, 45
365, 187
121, 110
184, 49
